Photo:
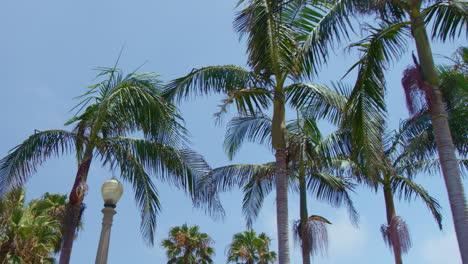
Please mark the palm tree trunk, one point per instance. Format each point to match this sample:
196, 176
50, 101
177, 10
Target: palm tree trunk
391, 213
279, 144
443, 137
305, 243
73, 211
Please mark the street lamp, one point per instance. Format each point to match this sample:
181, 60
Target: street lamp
111, 192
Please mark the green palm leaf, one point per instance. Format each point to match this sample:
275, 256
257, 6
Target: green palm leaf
319, 25
334, 190
23, 160
247, 128
146, 195
449, 19
317, 101
211, 80
366, 108
270, 44
408, 189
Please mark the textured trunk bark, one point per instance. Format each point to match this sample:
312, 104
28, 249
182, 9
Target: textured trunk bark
73, 212
282, 206
443, 138
390, 209
71, 220
281, 174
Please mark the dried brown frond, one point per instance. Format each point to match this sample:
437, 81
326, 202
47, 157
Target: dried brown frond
396, 235
313, 234
417, 92
243, 253
180, 239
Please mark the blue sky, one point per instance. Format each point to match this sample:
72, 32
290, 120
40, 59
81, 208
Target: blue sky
47, 55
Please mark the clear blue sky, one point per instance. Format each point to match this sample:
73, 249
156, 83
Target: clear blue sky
47, 55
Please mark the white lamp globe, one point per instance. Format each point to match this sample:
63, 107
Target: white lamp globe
111, 191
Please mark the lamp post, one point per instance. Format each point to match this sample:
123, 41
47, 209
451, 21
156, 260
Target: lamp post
111, 192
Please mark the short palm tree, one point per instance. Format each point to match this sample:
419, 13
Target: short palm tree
310, 167
248, 248
30, 233
114, 109
274, 56
186, 245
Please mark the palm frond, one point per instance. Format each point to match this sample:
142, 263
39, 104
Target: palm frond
334, 190
315, 232
270, 43
179, 167
133, 107
211, 80
249, 101
320, 25
316, 101
133, 171
366, 108
449, 19
247, 128
407, 189
23, 160
396, 235
256, 181
123, 104
228, 177
254, 195
336, 144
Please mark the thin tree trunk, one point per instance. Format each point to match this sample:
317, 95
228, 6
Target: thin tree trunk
443, 138
73, 211
281, 174
305, 243
282, 206
391, 213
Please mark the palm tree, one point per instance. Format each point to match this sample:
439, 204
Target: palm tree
403, 161
424, 78
114, 109
313, 158
310, 166
32, 232
397, 158
449, 20
186, 245
248, 248
274, 54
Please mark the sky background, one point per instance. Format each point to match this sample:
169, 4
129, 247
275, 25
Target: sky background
48, 52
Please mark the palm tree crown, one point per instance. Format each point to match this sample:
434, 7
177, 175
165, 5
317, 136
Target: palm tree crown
276, 57
30, 233
110, 112
188, 246
248, 248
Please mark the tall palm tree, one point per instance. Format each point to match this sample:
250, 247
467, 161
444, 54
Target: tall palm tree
401, 157
32, 232
425, 78
274, 53
449, 19
114, 109
310, 166
186, 245
248, 248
